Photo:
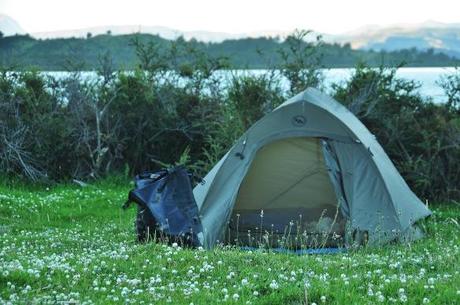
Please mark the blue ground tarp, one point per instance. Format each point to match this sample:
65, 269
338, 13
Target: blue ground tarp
301, 251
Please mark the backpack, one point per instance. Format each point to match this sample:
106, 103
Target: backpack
167, 210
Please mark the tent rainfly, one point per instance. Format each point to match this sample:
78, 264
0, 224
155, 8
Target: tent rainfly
308, 167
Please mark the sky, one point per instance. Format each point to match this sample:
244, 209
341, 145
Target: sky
231, 16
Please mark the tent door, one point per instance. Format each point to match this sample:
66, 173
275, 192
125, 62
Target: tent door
335, 174
287, 198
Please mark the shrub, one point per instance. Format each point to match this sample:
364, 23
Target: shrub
32, 125
301, 61
451, 85
176, 106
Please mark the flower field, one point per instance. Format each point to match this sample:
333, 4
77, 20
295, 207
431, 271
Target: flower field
73, 245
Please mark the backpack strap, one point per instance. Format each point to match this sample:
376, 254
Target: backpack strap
131, 198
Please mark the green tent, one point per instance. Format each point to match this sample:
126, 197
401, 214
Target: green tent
309, 168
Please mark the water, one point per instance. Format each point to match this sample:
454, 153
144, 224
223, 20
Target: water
426, 77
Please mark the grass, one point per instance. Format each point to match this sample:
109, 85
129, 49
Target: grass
75, 245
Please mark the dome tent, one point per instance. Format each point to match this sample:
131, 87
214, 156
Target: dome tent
308, 156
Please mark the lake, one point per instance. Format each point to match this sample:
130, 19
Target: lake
426, 77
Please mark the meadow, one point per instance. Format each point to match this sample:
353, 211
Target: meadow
67, 244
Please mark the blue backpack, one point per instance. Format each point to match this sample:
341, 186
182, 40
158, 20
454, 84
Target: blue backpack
167, 210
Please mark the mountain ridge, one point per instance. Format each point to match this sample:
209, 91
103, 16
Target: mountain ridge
439, 36
9, 26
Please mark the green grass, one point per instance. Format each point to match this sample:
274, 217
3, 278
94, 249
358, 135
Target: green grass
75, 245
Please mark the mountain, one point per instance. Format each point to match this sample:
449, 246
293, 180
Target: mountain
164, 32
441, 37
9, 26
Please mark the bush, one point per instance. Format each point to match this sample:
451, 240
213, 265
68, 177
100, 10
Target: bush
32, 126
175, 106
251, 97
301, 61
451, 85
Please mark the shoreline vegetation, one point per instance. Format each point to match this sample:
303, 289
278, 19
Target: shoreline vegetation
173, 107
24, 52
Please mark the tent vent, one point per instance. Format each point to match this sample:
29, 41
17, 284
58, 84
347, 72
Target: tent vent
299, 120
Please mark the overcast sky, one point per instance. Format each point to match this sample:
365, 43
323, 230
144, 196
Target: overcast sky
232, 16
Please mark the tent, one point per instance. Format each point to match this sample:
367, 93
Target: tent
308, 167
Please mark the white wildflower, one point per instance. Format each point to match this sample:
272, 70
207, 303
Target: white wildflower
274, 285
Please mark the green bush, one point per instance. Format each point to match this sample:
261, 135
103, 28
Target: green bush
175, 106
32, 126
301, 61
251, 97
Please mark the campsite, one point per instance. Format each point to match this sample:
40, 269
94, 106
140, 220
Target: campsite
170, 166
71, 242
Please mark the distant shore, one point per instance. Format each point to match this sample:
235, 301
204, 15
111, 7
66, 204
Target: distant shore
23, 52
